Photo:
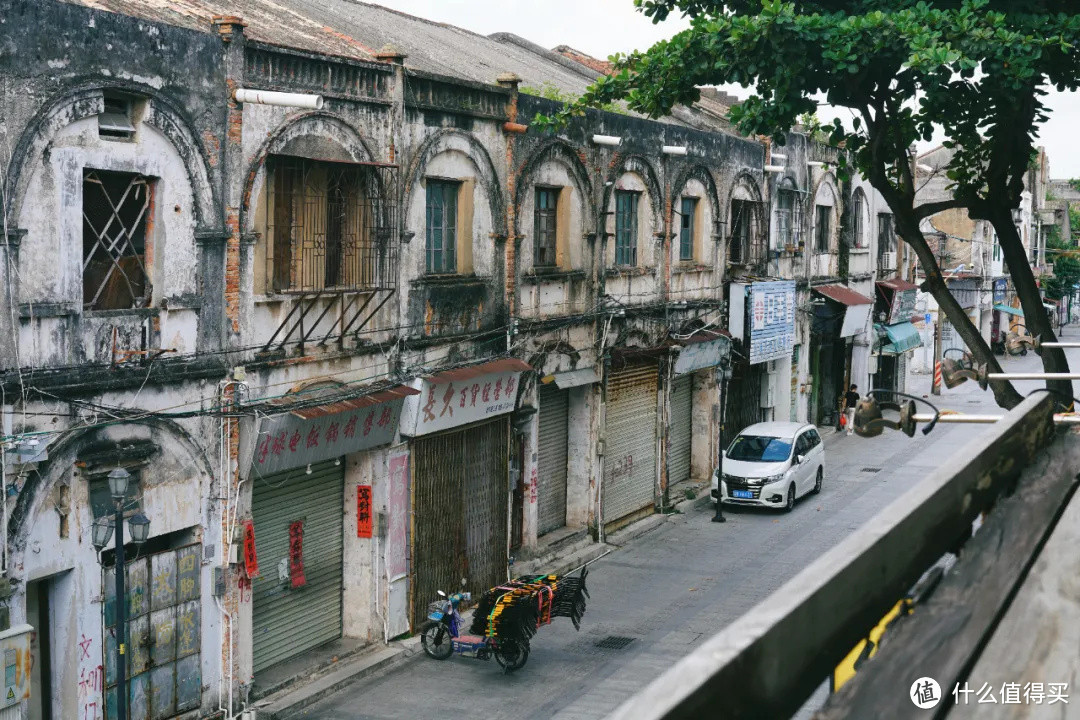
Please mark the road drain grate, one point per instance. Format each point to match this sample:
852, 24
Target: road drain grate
614, 642
871, 470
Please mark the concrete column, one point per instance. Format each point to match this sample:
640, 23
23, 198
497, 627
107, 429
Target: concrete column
9, 296
705, 424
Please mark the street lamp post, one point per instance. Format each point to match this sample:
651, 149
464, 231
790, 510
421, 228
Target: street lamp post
104, 528
723, 374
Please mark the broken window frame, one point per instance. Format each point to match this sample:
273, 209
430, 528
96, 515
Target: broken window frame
823, 229
546, 227
626, 227
886, 237
441, 205
744, 244
117, 244
788, 215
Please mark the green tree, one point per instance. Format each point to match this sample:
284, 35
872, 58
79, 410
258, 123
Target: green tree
975, 69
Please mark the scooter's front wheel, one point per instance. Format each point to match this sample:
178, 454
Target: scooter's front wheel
435, 637
512, 655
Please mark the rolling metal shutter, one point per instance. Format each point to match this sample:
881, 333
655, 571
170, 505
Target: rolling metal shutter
287, 621
460, 497
552, 459
630, 462
680, 429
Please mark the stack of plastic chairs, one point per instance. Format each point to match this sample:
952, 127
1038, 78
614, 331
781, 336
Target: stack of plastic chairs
517, 608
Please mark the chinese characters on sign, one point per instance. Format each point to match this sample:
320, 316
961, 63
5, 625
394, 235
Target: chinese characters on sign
772, 320
1012, 693
444, 404
398, 538
363, 511
287, 441
296, 554
903, 306
1001, 288
251, 559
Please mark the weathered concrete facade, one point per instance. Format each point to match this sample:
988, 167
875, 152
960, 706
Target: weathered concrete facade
403, 235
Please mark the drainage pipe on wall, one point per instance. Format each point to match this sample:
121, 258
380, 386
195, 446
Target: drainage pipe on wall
281, 99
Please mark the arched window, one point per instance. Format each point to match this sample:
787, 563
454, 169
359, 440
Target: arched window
788, 215
858, 219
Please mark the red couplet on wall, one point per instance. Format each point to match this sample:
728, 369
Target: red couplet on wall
251, 559
363, 511
296, 554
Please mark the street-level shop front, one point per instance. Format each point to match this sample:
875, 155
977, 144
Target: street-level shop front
895, 337
563, 407
692, 443
296, 542
628, 488
840, 314
459, 433
762, 323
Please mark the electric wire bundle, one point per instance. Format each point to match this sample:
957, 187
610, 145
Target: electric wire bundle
516, 609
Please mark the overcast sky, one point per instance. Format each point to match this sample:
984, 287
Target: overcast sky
603, 27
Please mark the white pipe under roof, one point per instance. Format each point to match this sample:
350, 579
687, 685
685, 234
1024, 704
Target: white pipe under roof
281, 99
606, 140
674, 149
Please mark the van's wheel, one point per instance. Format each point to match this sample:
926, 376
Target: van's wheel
790, 504
817, 482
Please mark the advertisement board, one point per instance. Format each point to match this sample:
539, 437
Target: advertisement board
772, 320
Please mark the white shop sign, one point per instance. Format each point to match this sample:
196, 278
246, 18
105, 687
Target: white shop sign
446, 403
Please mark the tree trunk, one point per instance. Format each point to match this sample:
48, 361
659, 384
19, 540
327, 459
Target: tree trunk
1005, 394
1036, 319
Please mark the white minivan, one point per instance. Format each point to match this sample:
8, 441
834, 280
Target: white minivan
771, 464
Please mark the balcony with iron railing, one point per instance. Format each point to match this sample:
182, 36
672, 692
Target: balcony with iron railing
1007, 611
330, 259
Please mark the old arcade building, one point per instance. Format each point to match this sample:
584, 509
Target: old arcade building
358, 332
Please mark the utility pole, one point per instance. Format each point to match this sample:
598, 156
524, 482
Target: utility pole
935, 386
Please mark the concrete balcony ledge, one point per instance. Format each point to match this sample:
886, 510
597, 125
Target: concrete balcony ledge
691, 267
552, 275
628, 271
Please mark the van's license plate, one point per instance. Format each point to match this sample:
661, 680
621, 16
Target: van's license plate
742, 494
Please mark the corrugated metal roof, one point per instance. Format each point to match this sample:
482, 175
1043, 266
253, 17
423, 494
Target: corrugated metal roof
274, 22
357, 31
467, 373
843, 295
397, 393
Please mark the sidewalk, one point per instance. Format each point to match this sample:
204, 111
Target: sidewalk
304, 691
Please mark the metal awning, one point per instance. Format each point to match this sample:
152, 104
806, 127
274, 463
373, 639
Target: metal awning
1009, 309
573, 378
473, 371
902, 337
843, 295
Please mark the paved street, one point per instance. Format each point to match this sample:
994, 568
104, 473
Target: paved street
671, 589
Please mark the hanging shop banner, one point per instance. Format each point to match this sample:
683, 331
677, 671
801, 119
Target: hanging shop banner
309, 436
1001, 288
251, 559
296, 554
903, 306
463, 396
701, 355
363, 511
772, 320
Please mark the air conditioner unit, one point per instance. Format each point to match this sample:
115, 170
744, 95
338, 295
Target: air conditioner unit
888, 260
767, 400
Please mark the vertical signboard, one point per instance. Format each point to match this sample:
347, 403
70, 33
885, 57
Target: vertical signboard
251, 558
772, 320
363, 511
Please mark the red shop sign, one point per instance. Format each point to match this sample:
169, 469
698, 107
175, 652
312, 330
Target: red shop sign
363, 511
296, 554
251, 559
